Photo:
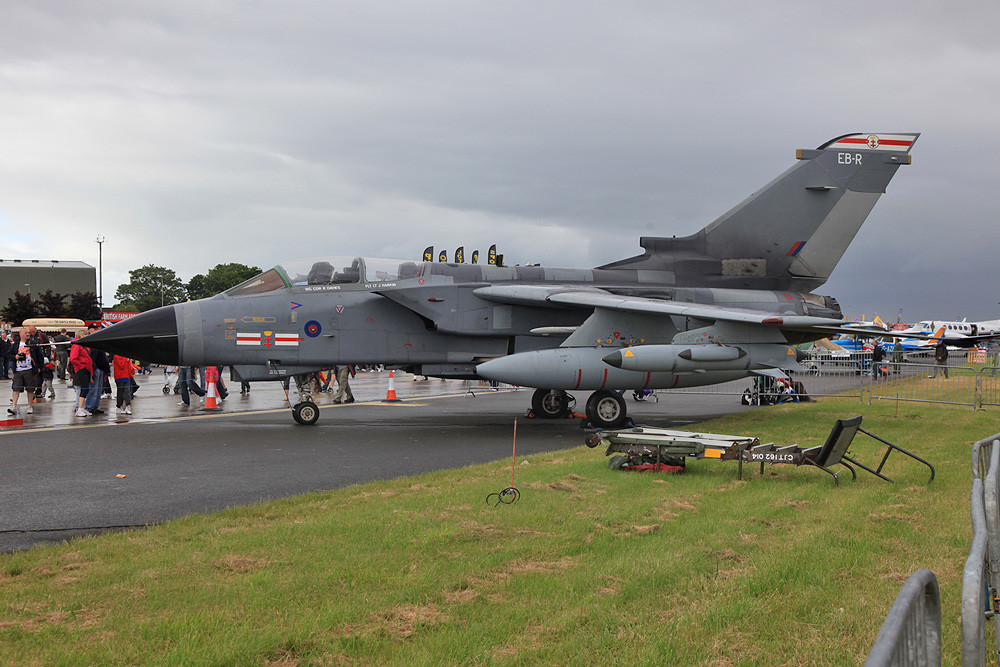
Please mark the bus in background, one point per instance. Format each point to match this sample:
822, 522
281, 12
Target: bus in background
51, 326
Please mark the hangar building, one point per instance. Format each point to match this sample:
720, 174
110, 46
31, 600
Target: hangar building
45, 274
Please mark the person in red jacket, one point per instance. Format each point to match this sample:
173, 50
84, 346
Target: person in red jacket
83, 366
124, 370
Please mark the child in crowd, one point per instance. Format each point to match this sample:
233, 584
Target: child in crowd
48, 374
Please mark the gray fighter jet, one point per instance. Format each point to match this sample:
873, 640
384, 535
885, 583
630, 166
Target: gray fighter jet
715, 306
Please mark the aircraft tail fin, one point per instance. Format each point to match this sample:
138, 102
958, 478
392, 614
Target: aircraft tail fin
791, 233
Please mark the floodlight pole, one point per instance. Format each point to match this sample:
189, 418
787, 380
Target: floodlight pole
100, 273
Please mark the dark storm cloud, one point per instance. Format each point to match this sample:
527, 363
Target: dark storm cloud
563, 131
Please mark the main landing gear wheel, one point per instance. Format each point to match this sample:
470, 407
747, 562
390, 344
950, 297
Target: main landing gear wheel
305, 413
606, 409
550, 403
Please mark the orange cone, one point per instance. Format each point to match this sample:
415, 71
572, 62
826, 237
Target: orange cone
211, 375
391, 396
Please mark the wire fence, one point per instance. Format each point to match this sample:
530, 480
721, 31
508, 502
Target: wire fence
977, 386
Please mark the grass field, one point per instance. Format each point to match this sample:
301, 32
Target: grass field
591, 566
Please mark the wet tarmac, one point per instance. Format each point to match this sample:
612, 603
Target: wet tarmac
156, 399
63, 476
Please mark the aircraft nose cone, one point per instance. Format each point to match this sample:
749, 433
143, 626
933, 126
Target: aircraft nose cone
149, 336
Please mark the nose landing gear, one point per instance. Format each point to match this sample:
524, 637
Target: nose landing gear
550, 403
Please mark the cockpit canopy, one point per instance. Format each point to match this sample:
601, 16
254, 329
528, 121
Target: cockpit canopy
328, 271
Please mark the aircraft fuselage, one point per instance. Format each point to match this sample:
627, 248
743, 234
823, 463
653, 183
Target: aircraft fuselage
431, 322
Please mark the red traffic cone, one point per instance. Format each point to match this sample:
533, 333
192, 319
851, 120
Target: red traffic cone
391, 396
211, 375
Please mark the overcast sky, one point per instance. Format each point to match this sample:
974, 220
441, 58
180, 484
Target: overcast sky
191, 133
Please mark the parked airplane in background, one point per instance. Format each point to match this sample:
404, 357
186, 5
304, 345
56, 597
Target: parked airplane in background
719, 305
957, 334
925, 335
877, 323
909, 341
954, 328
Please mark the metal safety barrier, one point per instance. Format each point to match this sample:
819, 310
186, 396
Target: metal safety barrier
989, 385
827, 362
911, 631
929, 383
982, 567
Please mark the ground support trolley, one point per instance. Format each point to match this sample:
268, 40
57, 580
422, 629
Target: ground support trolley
669, 445
666, 445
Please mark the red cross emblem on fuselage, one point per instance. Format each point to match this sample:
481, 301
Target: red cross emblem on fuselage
872, 141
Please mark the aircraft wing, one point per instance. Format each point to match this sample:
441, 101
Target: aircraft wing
565, 296
870, 333
964, 341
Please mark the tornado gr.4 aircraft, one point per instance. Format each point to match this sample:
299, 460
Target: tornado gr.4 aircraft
715, 306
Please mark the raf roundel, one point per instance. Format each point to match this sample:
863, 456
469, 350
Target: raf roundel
313, 328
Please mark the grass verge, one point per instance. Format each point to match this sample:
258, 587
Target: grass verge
590, 566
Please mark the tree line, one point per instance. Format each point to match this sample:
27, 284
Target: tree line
149, 287
79, 305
